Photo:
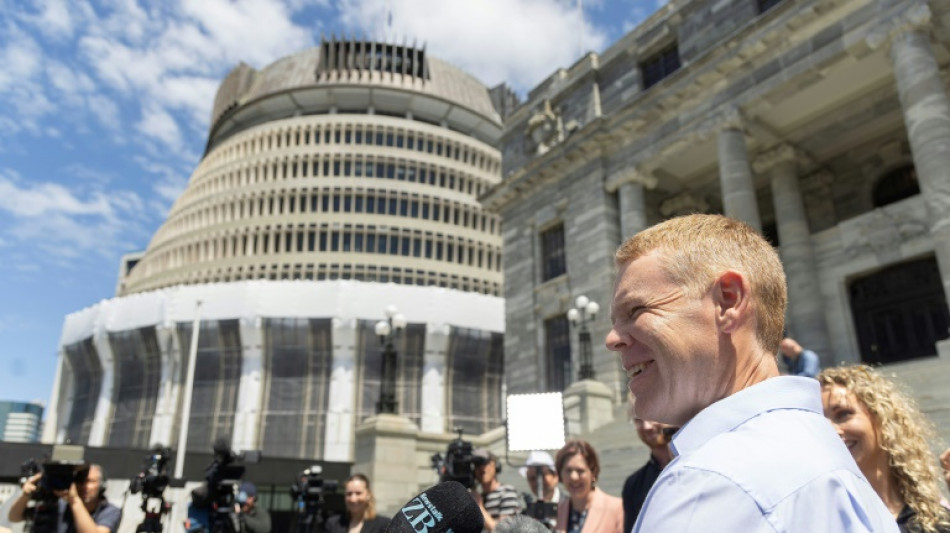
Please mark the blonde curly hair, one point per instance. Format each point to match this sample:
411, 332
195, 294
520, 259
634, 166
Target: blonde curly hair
905, 433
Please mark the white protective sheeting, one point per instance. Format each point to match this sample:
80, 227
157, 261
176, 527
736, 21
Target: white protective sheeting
249, 300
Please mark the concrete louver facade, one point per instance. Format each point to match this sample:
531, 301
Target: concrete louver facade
825, 123
336, 181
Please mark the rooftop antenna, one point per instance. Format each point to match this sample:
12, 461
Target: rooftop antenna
580, 29
389, 19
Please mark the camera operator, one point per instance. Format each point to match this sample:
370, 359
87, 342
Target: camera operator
255, 519
542, 501
496, 501
82, 508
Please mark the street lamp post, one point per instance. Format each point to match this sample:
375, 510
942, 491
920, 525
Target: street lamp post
387, 331
584, 312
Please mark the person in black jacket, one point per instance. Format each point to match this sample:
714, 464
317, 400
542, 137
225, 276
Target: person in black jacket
657, 437
360, 515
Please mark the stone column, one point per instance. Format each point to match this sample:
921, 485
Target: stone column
630, 185
386, 453
338, 435
806, 317
99, 433
735, 178
927, 118
247, 413
588, 405
170, 388
53, 422
433, 378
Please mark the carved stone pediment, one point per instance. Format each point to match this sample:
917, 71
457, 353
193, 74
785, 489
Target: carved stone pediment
683, 204
882, 232
543, 131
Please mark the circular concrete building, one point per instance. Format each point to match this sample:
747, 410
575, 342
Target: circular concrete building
335, 182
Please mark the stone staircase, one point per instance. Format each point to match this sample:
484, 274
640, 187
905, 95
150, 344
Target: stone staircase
927, 380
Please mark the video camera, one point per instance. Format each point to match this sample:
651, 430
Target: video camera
59, 472
222, 483
153, 479
308, 491
459, 462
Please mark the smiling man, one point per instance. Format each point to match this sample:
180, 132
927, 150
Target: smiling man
698, 311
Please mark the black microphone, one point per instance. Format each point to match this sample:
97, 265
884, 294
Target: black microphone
445, 508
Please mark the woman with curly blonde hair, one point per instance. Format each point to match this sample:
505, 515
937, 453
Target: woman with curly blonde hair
888, 437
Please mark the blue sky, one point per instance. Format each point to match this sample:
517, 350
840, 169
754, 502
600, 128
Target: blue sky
104, 109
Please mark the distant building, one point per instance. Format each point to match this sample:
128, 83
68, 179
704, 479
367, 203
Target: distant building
335, 182
20, 421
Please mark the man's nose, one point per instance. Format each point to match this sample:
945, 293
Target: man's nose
614, 341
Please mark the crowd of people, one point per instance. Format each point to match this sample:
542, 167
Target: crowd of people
745, 431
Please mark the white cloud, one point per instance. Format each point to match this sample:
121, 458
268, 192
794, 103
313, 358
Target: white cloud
518, 41
106, 112
21, 58
64, 223
228, 25
56, 19
43, 199
159, 125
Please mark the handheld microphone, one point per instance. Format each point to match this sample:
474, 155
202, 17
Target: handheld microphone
445, 508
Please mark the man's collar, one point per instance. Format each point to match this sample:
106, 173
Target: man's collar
781, 392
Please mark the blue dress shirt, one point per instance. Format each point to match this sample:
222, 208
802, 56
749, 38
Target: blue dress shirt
806, 364
763, 459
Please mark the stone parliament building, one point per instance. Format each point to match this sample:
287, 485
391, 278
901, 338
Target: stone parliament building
824, 123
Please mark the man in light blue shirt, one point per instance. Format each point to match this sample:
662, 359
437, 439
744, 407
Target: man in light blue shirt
698, 312
799, 361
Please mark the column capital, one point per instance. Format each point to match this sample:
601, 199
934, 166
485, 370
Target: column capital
911, 16
729, 117
782, 153
683, 203
817, 181
635, 174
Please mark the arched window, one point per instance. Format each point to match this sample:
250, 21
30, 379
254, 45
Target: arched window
896, 185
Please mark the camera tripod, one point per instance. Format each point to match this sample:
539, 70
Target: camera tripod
309, 521
224, 519
153, 521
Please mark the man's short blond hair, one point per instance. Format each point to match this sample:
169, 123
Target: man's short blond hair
695, 249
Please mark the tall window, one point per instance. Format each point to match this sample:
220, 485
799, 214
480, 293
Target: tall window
137, 376
87, 379
475, 370
660, 66
558, 348
765, 5
553, 262
410, 349
298, 354
895, 186
217, 379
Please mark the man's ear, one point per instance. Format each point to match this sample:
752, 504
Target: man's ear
731, 293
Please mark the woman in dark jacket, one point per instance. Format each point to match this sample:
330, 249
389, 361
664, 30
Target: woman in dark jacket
360, 515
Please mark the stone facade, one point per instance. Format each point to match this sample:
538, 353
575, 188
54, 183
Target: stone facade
793, 116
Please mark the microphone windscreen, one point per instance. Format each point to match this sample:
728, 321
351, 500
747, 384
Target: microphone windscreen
445, 508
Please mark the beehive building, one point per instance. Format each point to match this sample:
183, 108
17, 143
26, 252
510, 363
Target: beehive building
335, 182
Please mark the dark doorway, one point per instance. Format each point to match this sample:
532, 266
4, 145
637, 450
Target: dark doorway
900, 312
